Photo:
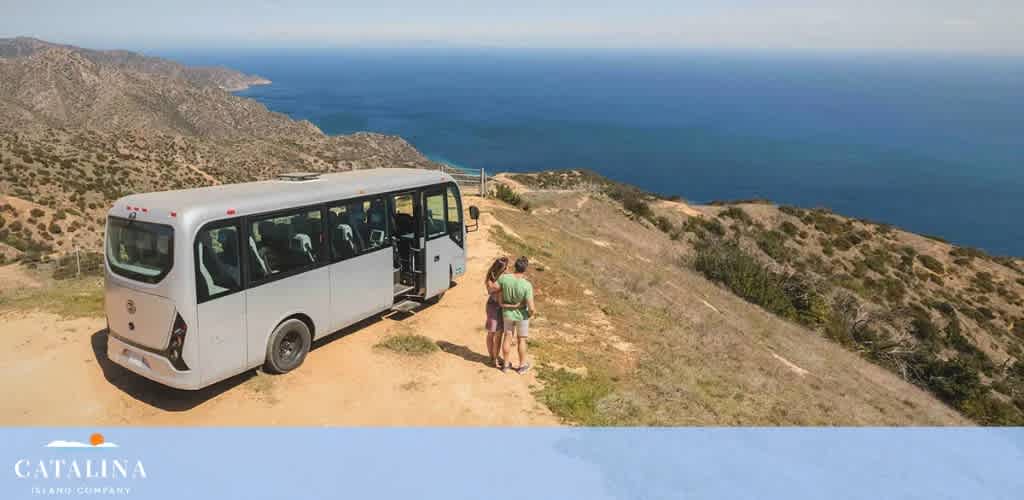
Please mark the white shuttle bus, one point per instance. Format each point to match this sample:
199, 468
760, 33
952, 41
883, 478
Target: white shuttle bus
203, 284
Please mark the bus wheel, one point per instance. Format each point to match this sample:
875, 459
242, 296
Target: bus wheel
288, 346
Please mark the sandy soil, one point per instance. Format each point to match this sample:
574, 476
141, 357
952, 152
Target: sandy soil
55, 372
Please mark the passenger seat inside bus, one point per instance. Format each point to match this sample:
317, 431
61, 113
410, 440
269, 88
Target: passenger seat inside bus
217, 277
343, 241
270, 251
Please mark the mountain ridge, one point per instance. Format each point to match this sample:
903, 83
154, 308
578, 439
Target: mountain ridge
80, 128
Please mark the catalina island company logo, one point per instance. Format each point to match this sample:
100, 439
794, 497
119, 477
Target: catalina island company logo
80, 469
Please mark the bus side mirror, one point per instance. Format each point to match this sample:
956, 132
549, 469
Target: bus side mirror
474, 213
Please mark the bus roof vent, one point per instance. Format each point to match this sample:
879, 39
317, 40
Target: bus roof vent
298, 176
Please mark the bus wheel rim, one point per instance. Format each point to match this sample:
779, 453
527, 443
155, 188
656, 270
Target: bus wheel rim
289, 348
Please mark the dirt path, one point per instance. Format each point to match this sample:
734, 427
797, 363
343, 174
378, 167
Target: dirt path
55, 373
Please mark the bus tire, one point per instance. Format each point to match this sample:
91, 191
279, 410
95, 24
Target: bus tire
288, 346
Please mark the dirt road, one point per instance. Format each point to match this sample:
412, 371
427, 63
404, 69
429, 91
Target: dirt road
55, 372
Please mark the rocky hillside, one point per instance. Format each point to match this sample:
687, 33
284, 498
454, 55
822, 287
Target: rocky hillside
80, 128
948, 319
203, 76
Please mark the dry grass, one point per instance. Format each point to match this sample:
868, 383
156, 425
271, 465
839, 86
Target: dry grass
663, 346
408, 344
73, 298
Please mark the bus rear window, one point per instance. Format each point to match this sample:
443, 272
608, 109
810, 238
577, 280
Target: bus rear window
139, 250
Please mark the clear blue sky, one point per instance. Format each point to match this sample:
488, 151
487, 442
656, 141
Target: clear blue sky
990, 26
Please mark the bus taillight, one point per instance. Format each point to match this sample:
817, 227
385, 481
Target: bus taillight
177, 343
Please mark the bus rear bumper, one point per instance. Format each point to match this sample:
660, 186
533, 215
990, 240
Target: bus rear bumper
152, 366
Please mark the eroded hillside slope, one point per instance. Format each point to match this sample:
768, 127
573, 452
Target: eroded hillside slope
842, 305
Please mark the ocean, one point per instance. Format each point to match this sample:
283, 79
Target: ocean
932, 144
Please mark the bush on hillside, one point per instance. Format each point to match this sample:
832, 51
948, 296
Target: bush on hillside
968, 252
789, 228
664, 224
794, 297
791, 210
737, 214
773, 243
726, 263
931, 263
638, 207
701, 227
510, 196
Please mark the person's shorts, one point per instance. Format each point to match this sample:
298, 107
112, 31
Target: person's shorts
494, 320
520, 327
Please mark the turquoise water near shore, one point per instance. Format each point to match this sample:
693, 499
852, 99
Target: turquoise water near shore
933, 144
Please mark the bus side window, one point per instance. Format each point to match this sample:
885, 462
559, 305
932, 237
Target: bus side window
217, 259
435, 215
284, 243
453, 216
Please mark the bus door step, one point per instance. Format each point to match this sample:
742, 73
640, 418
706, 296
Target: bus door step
402, 289
406, 306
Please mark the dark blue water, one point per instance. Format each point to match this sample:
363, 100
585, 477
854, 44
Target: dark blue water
929, 143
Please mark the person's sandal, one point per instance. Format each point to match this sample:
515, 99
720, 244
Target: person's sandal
523, 368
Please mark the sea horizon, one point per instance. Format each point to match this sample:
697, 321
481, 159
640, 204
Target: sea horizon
927, 143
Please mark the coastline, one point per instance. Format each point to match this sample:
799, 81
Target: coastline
241, 87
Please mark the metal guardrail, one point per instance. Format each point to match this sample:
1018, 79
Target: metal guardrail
466, 177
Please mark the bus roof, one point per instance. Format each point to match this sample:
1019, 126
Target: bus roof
215, 202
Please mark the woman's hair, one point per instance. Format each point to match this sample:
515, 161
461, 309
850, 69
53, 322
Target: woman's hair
497, 269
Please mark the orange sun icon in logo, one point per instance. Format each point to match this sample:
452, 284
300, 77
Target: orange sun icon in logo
96, 439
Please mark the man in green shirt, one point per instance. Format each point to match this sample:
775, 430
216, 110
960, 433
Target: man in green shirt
517, 308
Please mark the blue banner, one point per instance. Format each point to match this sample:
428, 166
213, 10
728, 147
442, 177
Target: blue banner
513, 463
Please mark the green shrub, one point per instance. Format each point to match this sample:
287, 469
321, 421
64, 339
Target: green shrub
985, 409
574, 397
508, 195
638, 207
878, 261
773, 243
1008, 262
968, 252
828, 249
823, 221
789, 228
893, 289
962, 261
737, 214
983, 281
664, 224
726, 263
922, 327
791, 210
931, 263
55, 228
36, 212
3, 221
953, 381
700, 226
